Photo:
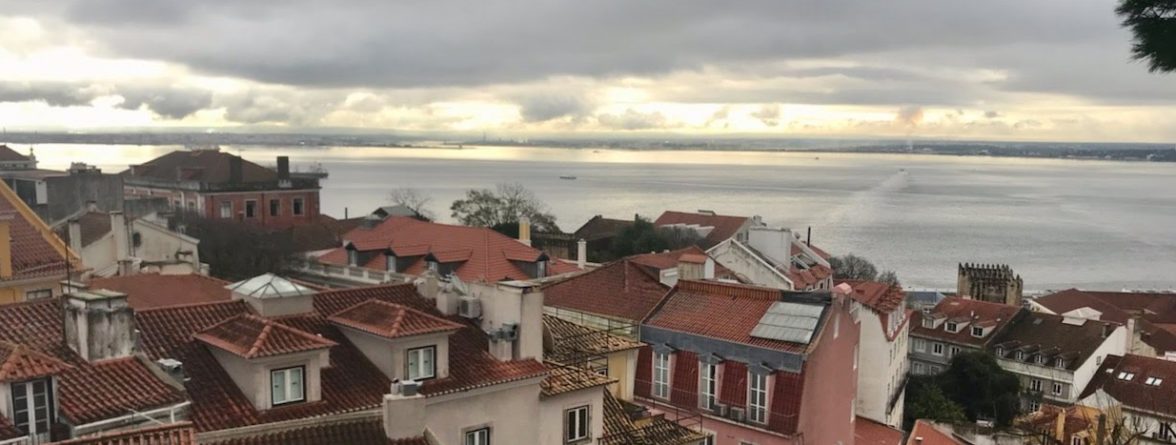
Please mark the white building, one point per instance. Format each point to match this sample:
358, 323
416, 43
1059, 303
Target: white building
882, 361
108, 241
775, 257
1139, 393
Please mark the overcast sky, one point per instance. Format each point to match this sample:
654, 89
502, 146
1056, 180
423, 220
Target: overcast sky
993, 69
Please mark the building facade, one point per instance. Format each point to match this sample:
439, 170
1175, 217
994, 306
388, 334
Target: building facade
996, 283
953, 326
1139, 394
33, 260
880, 310
775, 257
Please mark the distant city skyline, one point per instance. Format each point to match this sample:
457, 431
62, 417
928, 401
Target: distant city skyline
1001, 70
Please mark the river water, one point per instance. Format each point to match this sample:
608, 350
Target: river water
1059, 223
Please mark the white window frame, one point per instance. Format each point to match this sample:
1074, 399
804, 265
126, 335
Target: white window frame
937, 348
226, 209
29, 400
977, 334
288, 393
661, 375
578, 424
1077, 440
917, 367
920, 345
422, 371
352, 257
1057, 389
757, 397
952, 327
480, 436
708, 384
1035, 385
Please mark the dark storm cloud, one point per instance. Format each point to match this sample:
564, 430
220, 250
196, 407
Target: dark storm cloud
175, 103
542, 106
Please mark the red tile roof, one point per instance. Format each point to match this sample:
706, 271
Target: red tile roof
149, 291
207, 166
36, 250
668, 260
563, 379
355, 432
925, 433
1135, 392
179, 433
691, 307
1115, 306
600, 227
621, 289
483, 254
881, 297
391, 320
8, 430
869, 432
19, 362
724, 226
962, 308
250, 336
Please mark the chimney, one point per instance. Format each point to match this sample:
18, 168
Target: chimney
91, 206
99, 324
283, 168
118, 227
525, 230
5, 246
808, 241
581, 254
404, 414
235, 166
1132, 332
512, 315
127, 267
75, 235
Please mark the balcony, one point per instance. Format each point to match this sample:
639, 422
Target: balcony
336, 275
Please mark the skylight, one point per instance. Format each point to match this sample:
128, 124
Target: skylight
791, 322
1126, 375
1154, 381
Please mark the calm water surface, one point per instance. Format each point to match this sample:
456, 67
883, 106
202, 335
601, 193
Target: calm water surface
1059, 223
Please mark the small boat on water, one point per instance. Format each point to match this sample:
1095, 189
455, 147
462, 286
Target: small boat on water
568, 177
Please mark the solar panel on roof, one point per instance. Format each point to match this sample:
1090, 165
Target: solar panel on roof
790, 322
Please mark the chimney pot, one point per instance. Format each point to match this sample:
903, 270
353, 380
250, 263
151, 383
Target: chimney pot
581, 254
525, 230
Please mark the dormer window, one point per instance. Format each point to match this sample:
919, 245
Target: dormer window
32, 406
287, 385
928, 323
421, 363
390, 263
952, 327
1041, 360
977, 331
999, 351
1020, 356
1059, 363
352, 257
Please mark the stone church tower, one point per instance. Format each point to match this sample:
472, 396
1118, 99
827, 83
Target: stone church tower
989, 282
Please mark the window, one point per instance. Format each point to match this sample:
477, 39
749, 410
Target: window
1059, 363
1035, 385
576, 426
250, 208
38, 294
1154, 381
137, 239
952, 327
32, 406
390, 263
352, 257
953, 351
191, 204
275, 207
919, 344
757, 398
918, 368
1077, 440
937, 348
661, 375
710, 438
999, 351
480, 436
977, 331
1041, 360
1126, 375
1034, 406
1164, 432
708, 381
1057, 389
934, 369
928, 323
296, 204
1020, 356
226, 209
286, 385
421, 363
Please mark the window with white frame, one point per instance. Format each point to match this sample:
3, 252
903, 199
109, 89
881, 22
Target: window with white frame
1034, 406
576, 426
226, 209
422, 363
952, 326
977, 331
661, 375
287, 385
32, 404
917, 367
928, 323
708, 381
757, 397
1057, 389
38, 294
919, 344
951, 352
937, 348
1035, 385
480, 436
1076, 440
1020, 356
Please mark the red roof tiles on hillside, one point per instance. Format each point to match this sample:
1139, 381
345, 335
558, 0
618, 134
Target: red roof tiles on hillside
391, 320
19, 362
869, 432
355, 432
692, 307
250, 336
1115, 306
724, 226
179, 433
36, 250
621, 289
881, 297
984, 312
1135, 392
149, 291
925, 433
483, 253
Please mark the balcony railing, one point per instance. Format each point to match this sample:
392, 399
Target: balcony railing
683, 401
353, 274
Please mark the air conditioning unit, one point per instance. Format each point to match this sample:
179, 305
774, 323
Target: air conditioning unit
469, 307
722, 410
737, 414
407, 388
508, 332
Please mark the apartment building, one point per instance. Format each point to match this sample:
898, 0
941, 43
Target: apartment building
953, 326
880, 311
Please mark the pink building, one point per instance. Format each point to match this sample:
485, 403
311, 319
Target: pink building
756, 365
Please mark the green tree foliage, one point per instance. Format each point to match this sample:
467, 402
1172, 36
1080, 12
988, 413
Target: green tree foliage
926, 400
853, 267
644, 237
503, 206
1153, 24
977, 382
235, 250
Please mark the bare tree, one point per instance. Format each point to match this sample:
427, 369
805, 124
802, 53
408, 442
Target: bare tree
503, 207
414, 200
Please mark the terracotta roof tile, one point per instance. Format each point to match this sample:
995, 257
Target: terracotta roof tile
391, 320
869, 432
149, 291
36, 250
724, 226
361, 432
180, 433
19, 362
925, 433
669, 260
1051, 336
207, 166
881, 297
956, 307
621, 429
571, 343
620, 289
250, 336
8, 430
471, 365
562, 379
691, 307
482, 253
110, 388
600, 227
8, 154
1135, 391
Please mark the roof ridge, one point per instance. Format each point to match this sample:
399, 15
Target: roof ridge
188, 306
261, 339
